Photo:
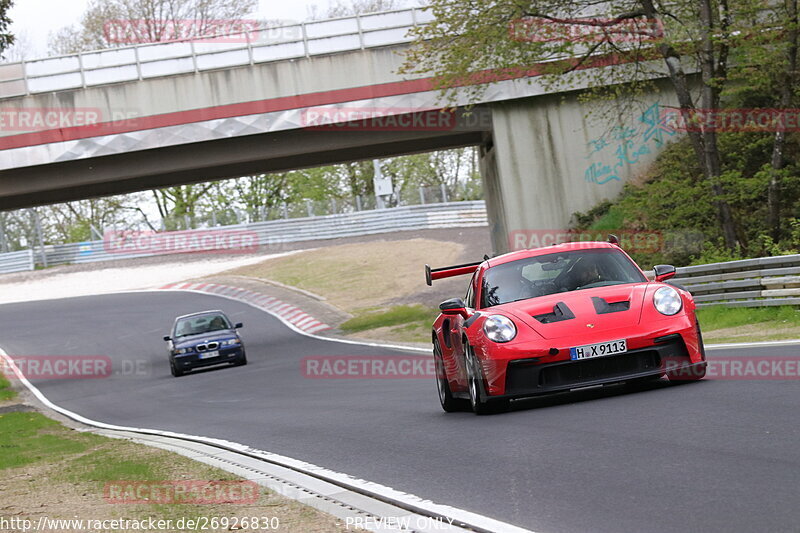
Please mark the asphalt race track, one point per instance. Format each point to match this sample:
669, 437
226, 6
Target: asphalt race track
712, 456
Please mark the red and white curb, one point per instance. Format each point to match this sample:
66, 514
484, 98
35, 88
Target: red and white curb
297, 317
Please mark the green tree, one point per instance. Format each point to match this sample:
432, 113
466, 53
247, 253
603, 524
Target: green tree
73, 221
454, 169
115, 23
472, 43
784, 71
152, 21
176, 203
6, 38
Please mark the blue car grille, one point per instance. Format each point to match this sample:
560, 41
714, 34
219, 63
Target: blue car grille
207, 346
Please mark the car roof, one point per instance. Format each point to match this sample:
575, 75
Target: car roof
556, 248
216, 311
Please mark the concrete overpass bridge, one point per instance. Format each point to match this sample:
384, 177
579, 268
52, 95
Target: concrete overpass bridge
157, 115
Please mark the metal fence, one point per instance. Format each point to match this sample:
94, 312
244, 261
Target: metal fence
312, 208
201, 54
746, 283
758, 282
17, 261
268, 236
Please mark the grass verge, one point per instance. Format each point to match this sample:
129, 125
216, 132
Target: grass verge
370, 280
748, 324
393, 316
404, 323
355, 277
378, 283
6, 392
48, 470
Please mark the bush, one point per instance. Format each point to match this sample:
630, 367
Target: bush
675, 200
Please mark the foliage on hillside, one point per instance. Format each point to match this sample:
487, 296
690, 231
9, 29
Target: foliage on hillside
673, 200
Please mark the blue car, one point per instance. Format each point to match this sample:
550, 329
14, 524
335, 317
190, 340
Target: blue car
204, 339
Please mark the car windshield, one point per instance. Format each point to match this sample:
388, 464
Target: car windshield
558, 272
196, 325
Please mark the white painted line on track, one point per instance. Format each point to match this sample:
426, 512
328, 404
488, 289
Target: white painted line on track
383, 493
757, 344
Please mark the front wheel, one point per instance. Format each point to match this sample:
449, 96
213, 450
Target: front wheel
448, 402
241, 360
480, 405
174, 370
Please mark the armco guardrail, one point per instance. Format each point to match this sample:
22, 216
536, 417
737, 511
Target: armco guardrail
745, 283
220, 51
17, 261
269, 235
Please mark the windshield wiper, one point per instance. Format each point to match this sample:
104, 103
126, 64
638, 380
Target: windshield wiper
602, 284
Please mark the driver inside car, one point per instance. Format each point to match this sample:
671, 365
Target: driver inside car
216, 324
585, 273
582, 273
506, 285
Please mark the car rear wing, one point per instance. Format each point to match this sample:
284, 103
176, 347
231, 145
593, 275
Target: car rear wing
448, 272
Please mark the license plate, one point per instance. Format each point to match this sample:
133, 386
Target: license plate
208, 355
600, 349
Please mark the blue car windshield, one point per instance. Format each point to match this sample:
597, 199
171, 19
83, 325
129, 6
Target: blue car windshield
196, 325
558, 272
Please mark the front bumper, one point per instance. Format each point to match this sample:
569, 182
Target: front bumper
525, 378
192, 360
542, 366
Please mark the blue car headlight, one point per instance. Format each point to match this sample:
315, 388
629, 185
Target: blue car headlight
180, 351
230, 342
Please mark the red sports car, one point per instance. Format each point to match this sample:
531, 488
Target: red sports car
558, 318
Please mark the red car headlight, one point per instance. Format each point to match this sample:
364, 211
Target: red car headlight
499, 328
667, 301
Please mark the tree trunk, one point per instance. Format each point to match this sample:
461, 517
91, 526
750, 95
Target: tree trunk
703, 143
787, 89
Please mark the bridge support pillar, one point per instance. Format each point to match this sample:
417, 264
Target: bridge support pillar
549, 158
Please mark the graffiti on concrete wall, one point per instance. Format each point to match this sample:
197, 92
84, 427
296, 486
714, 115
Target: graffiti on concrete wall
627, 144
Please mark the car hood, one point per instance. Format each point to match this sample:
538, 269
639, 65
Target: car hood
561, 314
191, 340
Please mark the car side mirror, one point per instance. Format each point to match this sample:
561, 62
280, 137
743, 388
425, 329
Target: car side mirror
664, 272
167, 338
454, 306
238, 325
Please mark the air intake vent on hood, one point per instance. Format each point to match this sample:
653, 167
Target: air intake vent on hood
603, 307
560, 312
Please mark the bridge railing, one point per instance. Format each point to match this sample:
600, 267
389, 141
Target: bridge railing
198, 54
